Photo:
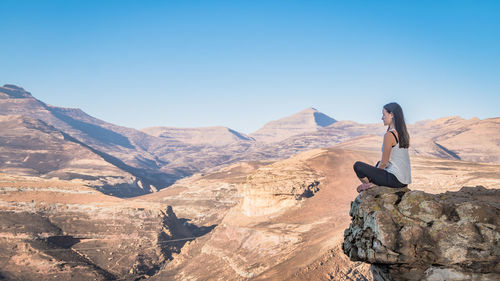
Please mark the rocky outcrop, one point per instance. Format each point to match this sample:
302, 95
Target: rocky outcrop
413, 235
279, 186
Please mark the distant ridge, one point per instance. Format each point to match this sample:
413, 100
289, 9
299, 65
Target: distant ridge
63, 138
305, 121
218, 136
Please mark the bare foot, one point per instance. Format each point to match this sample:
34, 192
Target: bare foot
364, 186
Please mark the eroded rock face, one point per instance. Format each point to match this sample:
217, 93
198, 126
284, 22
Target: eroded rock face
279, 186
413, 235
56, 230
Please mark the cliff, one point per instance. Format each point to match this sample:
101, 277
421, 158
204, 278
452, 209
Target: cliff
288, 225
59, 230
413, 235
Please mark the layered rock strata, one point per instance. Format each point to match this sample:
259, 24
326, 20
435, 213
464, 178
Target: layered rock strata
413, 235
288, 225
56, 230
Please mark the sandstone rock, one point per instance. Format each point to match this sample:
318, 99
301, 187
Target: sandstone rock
412, 235
58, 230
279, 186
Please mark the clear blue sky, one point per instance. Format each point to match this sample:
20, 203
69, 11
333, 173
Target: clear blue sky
241, 64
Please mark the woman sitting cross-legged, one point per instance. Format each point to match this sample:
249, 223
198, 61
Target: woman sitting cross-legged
393, 170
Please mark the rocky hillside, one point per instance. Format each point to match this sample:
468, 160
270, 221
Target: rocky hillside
149, 162
204, 199
280, 220
463, 139
447, 138
289, 218
123, 148
33, 148
413, 235
58, 230
285, 220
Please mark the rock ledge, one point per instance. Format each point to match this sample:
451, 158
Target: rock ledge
413, 235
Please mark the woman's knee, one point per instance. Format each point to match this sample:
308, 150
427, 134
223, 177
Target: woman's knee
359, 168
356, 166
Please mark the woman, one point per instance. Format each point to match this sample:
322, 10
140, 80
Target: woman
393, 170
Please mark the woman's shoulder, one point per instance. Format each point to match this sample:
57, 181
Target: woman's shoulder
391, 133
391, 137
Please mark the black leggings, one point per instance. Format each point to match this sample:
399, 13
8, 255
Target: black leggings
376, 175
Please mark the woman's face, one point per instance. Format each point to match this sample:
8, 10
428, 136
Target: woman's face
387, 117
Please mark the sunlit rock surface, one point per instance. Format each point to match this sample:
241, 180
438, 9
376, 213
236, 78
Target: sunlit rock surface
58, 230
413, 235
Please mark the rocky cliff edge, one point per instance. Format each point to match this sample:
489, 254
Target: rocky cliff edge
413, 235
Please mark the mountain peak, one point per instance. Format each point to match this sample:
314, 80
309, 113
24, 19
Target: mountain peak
14, 87
307, 120
13, 91
310, 109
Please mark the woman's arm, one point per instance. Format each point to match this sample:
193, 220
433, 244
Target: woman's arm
389, 141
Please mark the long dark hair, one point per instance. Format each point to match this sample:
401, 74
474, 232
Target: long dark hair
399, 123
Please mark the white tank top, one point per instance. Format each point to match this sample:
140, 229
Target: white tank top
399, 164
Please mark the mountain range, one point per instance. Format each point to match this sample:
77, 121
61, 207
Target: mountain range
63, 143
237, 207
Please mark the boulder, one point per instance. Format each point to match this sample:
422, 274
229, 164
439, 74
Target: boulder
413, 235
